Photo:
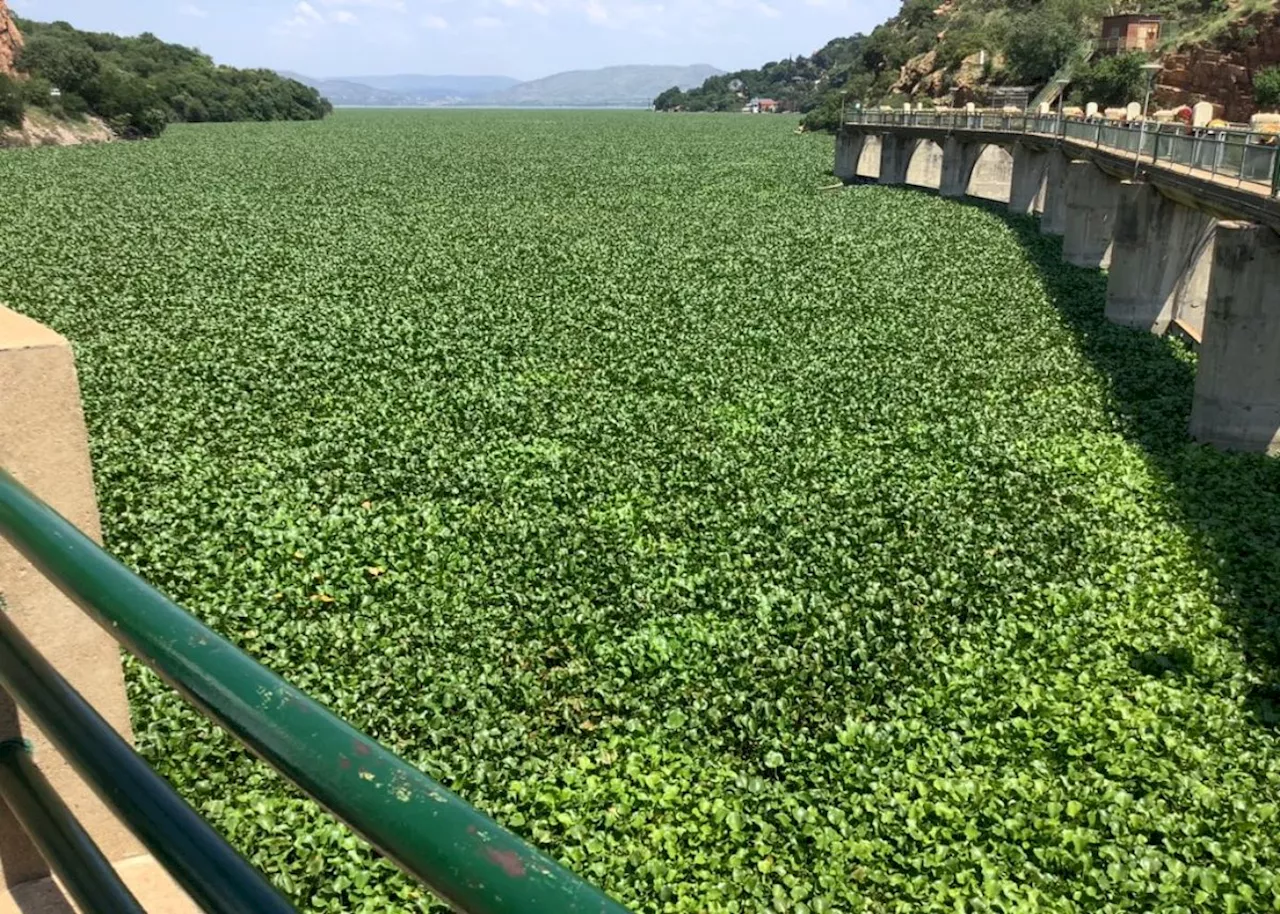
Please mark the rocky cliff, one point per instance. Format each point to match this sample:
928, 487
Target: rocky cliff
1221, 71
10, 39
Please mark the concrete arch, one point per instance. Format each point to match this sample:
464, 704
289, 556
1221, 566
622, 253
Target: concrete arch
991, 174
868, 162
924, 164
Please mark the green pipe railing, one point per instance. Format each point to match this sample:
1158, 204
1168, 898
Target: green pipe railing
216, 878
89, 879
461, 854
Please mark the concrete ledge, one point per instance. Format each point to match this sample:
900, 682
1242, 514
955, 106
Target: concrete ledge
44, 444
151, 885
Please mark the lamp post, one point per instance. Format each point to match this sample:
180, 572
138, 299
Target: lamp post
1061, 82
1149, 71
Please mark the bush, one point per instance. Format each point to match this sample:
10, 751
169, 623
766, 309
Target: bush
12, 104
1266, 88
1112, 81
1039, 44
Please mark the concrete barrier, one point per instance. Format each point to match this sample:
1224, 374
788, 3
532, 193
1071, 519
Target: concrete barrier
848, 151
869, 157
44, 444
1053, 218
895, 150
1161, 260
992, 175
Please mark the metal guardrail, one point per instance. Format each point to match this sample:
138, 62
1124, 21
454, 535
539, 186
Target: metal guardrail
1222, 152
462, 855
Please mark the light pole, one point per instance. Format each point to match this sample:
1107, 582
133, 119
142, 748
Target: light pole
1149, 71
1061, 82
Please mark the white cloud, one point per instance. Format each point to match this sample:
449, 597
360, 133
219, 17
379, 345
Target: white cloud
438, 23
487, 22
190, 9
397, 6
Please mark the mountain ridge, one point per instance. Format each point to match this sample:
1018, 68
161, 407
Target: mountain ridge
632, 86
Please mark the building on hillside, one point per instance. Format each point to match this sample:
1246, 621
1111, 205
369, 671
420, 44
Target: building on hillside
761, 106
1131, 32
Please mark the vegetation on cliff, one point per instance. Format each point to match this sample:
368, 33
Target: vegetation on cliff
954, 50
140, 84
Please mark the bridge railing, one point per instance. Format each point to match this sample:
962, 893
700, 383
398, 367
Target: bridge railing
460, 854
1230, 153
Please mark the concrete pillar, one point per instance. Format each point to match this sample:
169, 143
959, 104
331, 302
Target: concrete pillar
869, 159
1091, 208
43, 443
992, 174
1027, 190
957, 166
894, 150
1160, 261
924, 164
1053, 219
1237, 396
848, 150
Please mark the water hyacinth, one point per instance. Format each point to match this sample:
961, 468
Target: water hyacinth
746, 545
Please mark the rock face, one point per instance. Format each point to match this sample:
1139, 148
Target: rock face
10, 39
1222, 72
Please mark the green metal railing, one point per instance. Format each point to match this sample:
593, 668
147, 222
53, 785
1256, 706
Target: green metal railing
1234, 153
463, 856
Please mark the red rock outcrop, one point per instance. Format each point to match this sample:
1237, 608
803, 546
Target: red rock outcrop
10, 39
1221, 71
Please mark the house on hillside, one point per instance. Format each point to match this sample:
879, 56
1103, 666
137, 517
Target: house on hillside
1131, 32
761, 106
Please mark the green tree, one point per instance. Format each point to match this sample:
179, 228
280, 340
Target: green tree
1039, 43
12, 104
1115, 80
1266, 88
670, 100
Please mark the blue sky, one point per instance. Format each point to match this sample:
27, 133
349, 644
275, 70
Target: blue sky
521, 38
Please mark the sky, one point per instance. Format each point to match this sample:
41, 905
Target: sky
524, 39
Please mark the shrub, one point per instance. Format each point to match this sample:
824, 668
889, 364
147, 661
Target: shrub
1266, 88
1115, 80
12, 104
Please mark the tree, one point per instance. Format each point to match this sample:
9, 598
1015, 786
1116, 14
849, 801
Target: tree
12, 104
1040, 43
1266, 88
1112, 81
670, 100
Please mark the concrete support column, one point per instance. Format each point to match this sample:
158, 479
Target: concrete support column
1161, 257
1237, 397
1091, 208
44, 444
894, 153
868, 163
1053, 219
1027, 190
848, 150
992, 175
957, 165
924, 164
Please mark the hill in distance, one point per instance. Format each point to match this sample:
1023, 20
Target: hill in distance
622, 87
406, 90
611, 87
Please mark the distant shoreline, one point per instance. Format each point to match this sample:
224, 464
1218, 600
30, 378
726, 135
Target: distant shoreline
493, 107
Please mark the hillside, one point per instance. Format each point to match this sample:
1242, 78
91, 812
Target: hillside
136, 85
408, 90
958, 50
623, 87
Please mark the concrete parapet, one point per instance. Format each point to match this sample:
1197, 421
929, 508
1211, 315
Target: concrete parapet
44, 444
1091, 206
894, 156
1237, 395
1053, 218
924, 164
1160, 261
1027, 189
992, 174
